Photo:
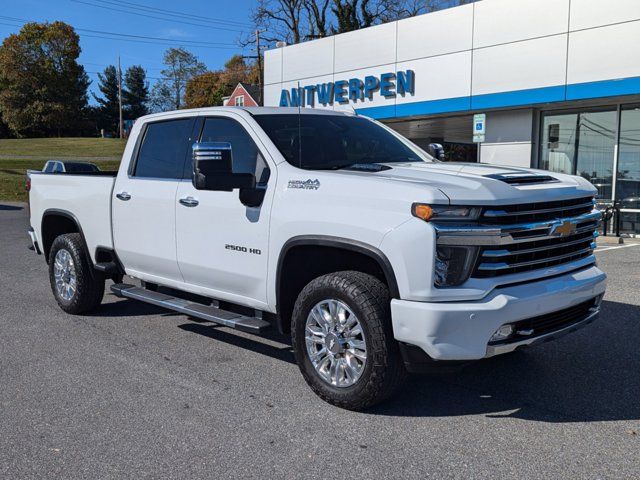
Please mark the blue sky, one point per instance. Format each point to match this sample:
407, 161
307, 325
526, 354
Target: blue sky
116, 16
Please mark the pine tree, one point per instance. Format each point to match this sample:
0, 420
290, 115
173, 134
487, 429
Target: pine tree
135, 93
108, 102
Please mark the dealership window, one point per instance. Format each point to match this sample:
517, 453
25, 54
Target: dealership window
455, 134
581, 143
628, 172
584, 143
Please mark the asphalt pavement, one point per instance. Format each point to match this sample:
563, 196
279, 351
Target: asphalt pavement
133, 391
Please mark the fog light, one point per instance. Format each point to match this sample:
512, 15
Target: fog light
504, 332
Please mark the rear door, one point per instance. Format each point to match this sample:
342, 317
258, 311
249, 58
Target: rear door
144, 202
223, 244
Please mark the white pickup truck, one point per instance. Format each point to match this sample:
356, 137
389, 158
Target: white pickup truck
333, 228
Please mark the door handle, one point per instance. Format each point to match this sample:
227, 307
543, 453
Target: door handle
189, 202
124, 196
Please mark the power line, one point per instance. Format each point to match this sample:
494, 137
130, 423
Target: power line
174, 13
137, 38
157, 17
156, 38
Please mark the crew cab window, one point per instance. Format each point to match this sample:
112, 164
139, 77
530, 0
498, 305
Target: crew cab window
246, 156
163, 149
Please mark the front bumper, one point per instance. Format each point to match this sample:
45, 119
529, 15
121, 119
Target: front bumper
462, 330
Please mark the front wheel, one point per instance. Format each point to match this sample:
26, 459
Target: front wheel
76, 286
343, 342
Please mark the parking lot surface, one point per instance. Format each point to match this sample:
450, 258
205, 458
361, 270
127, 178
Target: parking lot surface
136, 391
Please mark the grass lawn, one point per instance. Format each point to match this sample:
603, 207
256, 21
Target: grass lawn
18, 156
48, 148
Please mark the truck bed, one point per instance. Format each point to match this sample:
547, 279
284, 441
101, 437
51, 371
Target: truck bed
85, 197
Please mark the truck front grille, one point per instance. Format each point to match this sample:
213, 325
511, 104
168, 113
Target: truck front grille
538, 235
537, 212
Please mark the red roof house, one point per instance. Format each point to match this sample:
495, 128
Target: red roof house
244, 95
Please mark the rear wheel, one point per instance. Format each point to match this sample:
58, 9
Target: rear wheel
343, 341
76, 286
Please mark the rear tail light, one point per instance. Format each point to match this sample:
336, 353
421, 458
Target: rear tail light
27, 185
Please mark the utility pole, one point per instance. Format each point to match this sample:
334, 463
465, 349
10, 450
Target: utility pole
258, 57
259, 67
120, 97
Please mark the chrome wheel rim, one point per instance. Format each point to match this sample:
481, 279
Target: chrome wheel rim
64, 272
335, 343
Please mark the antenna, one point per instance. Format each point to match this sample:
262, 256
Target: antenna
299, 127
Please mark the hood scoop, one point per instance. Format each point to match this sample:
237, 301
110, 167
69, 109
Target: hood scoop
523, 178
368, 167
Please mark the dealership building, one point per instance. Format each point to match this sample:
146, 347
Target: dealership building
552, 84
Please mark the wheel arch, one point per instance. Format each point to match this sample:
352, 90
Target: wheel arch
56, 222
327, 253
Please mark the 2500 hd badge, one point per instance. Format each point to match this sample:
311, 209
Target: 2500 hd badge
238, 248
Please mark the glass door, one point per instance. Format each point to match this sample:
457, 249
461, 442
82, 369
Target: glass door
628, 174
581, 143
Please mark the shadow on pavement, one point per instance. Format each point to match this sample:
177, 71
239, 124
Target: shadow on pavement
589, 375
255, 344
128, 308
10, 207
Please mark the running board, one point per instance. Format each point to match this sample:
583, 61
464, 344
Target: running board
213, 314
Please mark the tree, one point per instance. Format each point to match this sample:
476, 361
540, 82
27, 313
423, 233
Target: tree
281, 19
108, 103
204, 90
295, 21
135, 94
182, 65
43, 89
4, 129
208, 89
317, 18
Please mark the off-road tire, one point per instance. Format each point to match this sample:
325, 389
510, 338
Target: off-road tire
369, 299
89, 282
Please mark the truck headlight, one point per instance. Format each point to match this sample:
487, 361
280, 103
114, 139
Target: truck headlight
444, 212
453, 265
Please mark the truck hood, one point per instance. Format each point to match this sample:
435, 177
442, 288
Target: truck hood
483, 184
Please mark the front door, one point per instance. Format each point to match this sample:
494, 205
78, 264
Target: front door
144, 201
222, 244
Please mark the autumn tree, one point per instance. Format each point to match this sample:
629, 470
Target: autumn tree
43, 89
209, 88
204, 90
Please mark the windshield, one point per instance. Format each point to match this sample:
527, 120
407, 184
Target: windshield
322, 142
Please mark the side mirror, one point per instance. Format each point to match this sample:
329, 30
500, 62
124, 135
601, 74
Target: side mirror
213, 168
436, 151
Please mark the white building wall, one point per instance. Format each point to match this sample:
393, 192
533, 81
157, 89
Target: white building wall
492, 54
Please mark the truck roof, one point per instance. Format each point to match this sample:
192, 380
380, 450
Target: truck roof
249, 110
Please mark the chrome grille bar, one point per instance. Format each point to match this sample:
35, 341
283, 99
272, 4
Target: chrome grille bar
504, 266
491, 235
507, 253
503, 213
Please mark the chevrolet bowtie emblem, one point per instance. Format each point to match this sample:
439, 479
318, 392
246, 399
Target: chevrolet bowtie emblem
563, 229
